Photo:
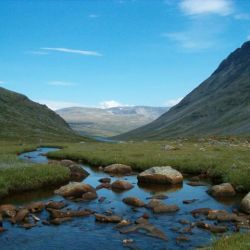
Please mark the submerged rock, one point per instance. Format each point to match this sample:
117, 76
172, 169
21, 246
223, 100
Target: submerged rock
59, 221
245, 204
133, 201
196, 183
108, 219
159, 207
222, 190
121, 185
143, 224
69, 213
74, 189
221, 215
189, 201
160, 175
200, 211
118, 169
211, 228
105, 180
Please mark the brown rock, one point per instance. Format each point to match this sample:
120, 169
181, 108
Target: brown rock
55, 204
21, 215
164, 208
221, 215
118, 169
133, 201
69, 213
196, 183
121, 185
8, 210
104, 185
143, 224
245, 204
35, 207
222, 190
105, 180
108, 219
74, 189
89, 196
200, 211
160, 175
59, 221
211, 228
182, 238
189, 201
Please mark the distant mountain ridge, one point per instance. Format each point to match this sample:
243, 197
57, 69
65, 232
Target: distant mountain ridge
24, 120
110, 121
219, 106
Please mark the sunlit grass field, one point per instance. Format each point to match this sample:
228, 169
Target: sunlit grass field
227, 160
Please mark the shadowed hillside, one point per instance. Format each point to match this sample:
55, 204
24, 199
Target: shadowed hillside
219, 106
22, 119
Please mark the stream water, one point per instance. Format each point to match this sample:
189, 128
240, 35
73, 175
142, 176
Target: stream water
85, 233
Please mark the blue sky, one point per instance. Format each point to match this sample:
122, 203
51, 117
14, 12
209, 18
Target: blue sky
111, 52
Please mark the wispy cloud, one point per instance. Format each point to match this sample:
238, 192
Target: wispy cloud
2, 82
190, 40
173, 102
37, 52
55, 105
93, 16
74, 51
61, 83
248, 37
200, 7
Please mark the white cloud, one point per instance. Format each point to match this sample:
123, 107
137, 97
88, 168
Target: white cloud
199, 7
172, 102
191, 39
61, 83
55, 105
74, 51
93, 16
110, 104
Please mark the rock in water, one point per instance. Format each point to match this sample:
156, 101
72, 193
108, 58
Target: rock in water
133, 201
121, 185
160, 175
222, 190
118, 169
75, 190
245, 204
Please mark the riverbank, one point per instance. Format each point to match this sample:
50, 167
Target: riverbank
17, 176
225, 160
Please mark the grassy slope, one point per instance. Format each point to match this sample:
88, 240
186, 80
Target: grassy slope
24, 120
227, 160
18, 176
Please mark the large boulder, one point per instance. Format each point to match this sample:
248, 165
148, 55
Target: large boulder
121, 185
245, 204
75, 190
160, 175
222, 190
8, 210
76, 170
118, 169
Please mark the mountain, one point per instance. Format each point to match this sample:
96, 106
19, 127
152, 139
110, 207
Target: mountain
24, 120
111, 121
219, 106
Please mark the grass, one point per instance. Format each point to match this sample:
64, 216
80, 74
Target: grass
227, 160
17, 176
235, 241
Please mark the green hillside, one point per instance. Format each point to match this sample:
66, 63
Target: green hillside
219, 106
24, 120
